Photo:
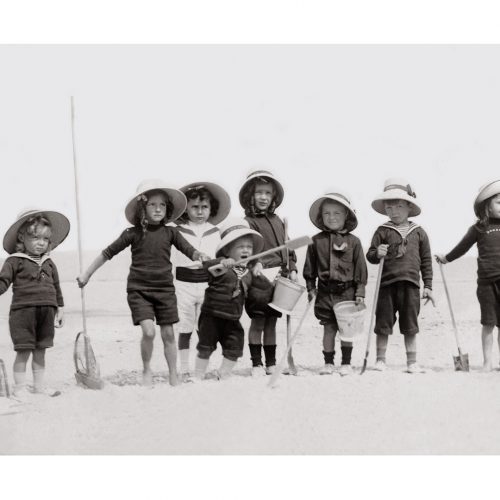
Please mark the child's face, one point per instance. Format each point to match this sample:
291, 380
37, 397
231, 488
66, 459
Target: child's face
397, 211
38, 242
494, 207
263, 196
156, 208
334, 215
198, 210
241, 248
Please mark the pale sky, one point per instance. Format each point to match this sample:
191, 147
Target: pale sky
317, 116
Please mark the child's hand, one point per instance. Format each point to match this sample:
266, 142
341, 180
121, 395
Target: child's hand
441, 258
59, 319
227, 263
311, 294
293, 276
82, 280
428, 295
257, 269
360, 301
382, 250
200, 256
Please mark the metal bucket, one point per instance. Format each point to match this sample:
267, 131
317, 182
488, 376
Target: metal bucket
350, 318
286, 295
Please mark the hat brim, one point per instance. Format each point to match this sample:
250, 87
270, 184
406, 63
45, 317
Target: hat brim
220, 194
315, 207
258, 240
395, 194
486, 192
175, 196
60, 229
280, 193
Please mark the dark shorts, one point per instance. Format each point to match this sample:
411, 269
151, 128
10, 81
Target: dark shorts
323, 307
401, 297
258, 297
32, 327
161, 305
489, 301
228, 332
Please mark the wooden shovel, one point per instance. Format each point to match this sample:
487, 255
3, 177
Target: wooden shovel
219, 269
4, 386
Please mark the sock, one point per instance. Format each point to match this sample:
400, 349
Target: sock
200, 367
19, 381
226, 368
411, 358
184, 357
381, 354
328, 357
38, 378
270, 353
256, 354
346, 354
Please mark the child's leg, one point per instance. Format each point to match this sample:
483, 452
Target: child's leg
147, 342
487, 341
329, 332
270, 340
381, 343
232, 339
255, 340
170, 350
411, 349
38, 365
20, 362
183, 344
208, 328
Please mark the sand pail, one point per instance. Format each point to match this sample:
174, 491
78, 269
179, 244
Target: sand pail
350, 318
286, 295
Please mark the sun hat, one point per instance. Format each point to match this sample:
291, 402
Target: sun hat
486, 191
59, 222
235, 228
266, 176
175, 196
220, 194
396, 189
338, 196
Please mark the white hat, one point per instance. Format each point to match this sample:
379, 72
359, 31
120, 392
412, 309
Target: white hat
236, 228
175, 196
59, 224
486, 191
339, 197
218, 193
396, 189
266, 176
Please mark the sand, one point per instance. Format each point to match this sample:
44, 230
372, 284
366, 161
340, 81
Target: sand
439, 412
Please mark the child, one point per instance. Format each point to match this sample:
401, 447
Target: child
37, 301
150, 288
406, 251
207, 205
336, 260
260, 195
224, 298
486, 233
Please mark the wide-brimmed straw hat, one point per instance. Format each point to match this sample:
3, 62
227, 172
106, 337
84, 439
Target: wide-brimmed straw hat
338, 196
235, 228
396, 189
59, 224
266, 176
220, 194
175, 196
486, 191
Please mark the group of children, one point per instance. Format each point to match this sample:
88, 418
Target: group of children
179, 229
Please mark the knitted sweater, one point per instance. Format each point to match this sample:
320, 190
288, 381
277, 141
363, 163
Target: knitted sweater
151, 268
272, 229
335, 257
33, 284
406, 258
488, 247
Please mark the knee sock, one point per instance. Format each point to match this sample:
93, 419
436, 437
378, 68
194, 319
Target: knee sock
256, 354
226, 368
38, 379
329, 357
381, 354
19, 381
411, 358
346, 354
200, 367
270, 353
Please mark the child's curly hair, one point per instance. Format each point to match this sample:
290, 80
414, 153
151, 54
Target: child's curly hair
350, 222
247, 197
31, 227
483, 219
202, 193
141, 219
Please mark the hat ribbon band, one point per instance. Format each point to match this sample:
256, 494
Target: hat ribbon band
338, 195
231, 229
403, 188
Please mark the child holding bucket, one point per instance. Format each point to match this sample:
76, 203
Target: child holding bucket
334, 270
37, 301
208, 204
224, 298
150, 288
486, 234
260, 195
404, 245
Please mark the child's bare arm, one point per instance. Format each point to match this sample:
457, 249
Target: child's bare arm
84, 278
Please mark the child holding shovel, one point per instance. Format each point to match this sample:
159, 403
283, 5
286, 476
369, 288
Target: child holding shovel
37, 301
260, 195
404, 245
486, 234
150, 288
334, 270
